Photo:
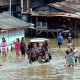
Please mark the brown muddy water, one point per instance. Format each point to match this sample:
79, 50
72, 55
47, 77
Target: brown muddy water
53, 70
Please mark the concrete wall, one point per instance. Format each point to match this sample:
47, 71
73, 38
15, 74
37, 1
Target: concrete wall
11, 36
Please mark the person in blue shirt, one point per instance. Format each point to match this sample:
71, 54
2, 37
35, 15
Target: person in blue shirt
60, 40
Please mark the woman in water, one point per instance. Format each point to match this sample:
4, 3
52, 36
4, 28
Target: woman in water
45, 51
71, 57
23, 47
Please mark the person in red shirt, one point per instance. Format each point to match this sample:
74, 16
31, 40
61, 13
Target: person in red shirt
17, 46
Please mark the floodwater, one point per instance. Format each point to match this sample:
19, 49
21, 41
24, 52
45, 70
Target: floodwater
53, 70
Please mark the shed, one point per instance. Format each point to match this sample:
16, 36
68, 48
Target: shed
12, 28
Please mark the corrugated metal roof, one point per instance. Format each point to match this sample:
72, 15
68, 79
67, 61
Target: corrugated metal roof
66, 15
69, 10
9, 22
66, 6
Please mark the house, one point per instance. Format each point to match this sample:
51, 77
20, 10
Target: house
54, 15
12, 28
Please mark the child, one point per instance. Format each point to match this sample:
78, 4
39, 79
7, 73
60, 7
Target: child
17, 47
67, 58
37, 47
60, 39
4, 47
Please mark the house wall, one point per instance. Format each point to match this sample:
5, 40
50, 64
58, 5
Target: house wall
11, 36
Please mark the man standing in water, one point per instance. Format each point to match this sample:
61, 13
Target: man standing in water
69, 40
60, 40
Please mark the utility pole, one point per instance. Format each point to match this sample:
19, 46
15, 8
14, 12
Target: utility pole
10, 7
29, 10
27, 5
21, 6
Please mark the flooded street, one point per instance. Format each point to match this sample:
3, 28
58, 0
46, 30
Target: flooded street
53, 70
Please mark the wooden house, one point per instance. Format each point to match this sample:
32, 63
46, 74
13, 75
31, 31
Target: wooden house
54, 15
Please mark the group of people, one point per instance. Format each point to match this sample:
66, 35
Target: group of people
18, 46
34, 51
69, 40
71, 55
38, 52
